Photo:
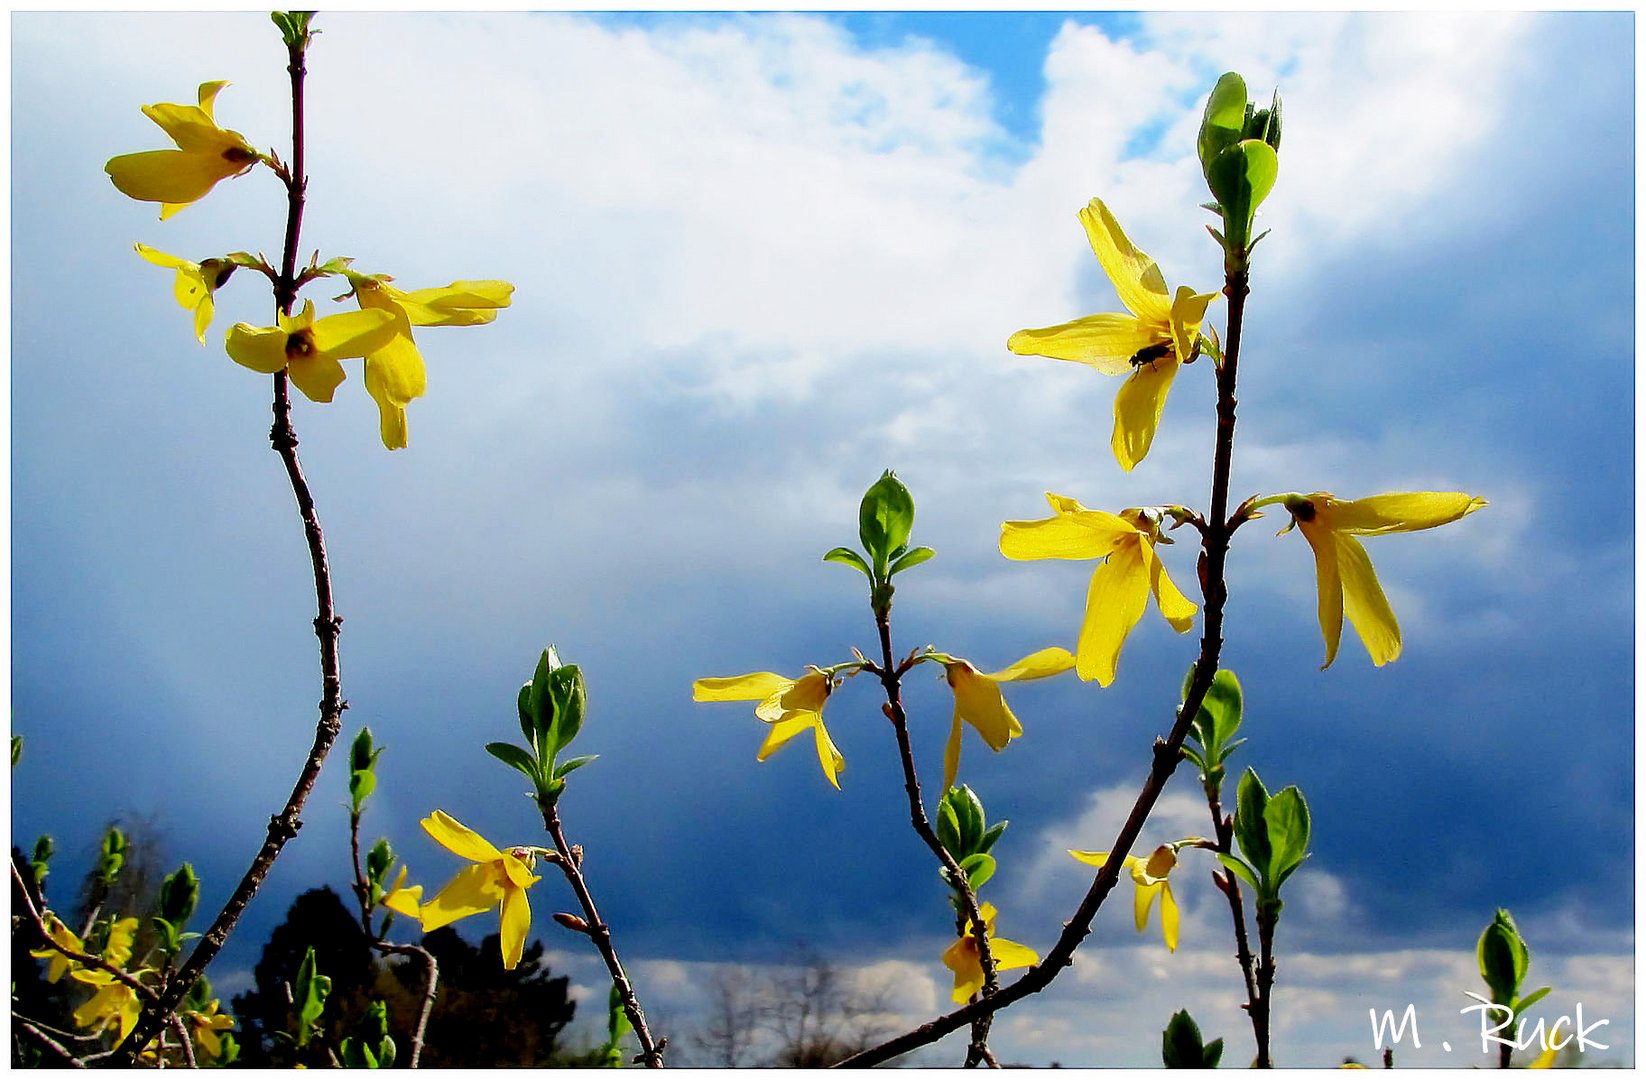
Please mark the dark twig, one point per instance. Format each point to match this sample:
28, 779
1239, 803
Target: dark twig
284, 825
431, 969
1229, 886
570, 862
1167, 752
972, 915
63, 1052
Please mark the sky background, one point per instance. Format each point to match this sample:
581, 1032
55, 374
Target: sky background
758, 259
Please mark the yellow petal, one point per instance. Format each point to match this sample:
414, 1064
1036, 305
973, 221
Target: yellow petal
405, 901
1168, 915
1093, 858
1328, 586
352, 333
474, 890
1364, 603
160, 258
1009, 954
1138, 281
1137, 409
462, 303
1400, 511
1085, 536
204, 308
979, 702
516, 870
1188, 310
962, 959
807, 694
756, 687
1037, 665
261, 348
459, 839
782, 731
317, 376
516, 924
1114, 603
1142, 900
1106, 342
165, 176
951, 753
1178, 609
828, 755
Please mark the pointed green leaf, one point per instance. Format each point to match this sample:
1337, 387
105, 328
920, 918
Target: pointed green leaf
1287, 820
978, 869
1530, 999
885, 519
846, 556
948, 827
1239, 868
991, 836
1251, 830
514, 757
1223, 121
573, 763
913, 557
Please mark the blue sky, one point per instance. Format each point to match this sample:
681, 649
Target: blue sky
760, 258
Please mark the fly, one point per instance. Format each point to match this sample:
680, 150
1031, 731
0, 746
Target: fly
1149, 354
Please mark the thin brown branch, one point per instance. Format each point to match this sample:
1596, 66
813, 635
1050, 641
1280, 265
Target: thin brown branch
570, 861
1167, 751
64, 1054
431, 983
1229, 886
972, 914
284, 825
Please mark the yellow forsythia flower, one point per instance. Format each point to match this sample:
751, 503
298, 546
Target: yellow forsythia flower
206, 1025
979, 702
195, 284
310, 348
1121, 584
395, 373
498, 879
1147, 345
790, 706
1149, 875
406, 901
1346, 582
963, 959
205, 154
58, 965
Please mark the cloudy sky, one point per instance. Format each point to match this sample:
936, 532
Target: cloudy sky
760, 258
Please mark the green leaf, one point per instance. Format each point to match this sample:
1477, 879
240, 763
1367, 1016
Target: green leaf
846, 556
884, 520
1287, 820
991, 836
912, 558
1250, 829
1181, 1048
1530, 999
574, 763
514, 757
362, 782
362, 755
16, 750
1239, 868
525, 705
969, 809
1223, 121
1221, 710
1241, 177
309, 995
179, 894
1503, 957
570, 701
948, 827
978, 869
617, 1017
